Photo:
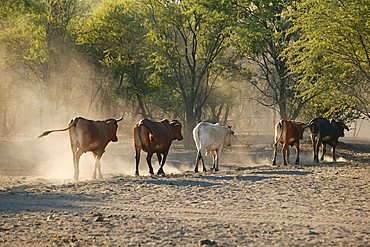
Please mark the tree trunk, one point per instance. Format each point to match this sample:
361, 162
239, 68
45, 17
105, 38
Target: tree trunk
188, 127
226, 116
141, 106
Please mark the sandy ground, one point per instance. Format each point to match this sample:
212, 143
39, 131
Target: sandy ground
249, 202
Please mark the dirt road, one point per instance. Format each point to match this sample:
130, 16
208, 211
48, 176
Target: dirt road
248, 202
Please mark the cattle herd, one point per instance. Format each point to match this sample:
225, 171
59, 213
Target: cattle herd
156, 137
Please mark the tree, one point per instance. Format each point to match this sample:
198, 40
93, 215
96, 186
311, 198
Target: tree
331, 57
113, 36
189, 38
260, 39
34, 38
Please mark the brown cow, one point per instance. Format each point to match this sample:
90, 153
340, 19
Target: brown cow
155, 137
288, 133
89, 136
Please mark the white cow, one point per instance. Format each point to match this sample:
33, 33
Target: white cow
210, 138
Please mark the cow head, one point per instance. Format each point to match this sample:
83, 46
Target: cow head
229, 132
176, 130
112, 128
341, 127
314, 125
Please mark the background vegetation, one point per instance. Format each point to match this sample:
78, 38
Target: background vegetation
187, 59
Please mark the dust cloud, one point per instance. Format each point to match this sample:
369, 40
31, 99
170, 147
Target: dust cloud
29, 106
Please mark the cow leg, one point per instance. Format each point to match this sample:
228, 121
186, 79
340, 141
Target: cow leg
323, 151
76, 162
159, 157
334, 159
137, 159
275, 153
288, 155
297, 158
97, 167
213, 153
149, 161
204, 166
314, 141
316, 149
160, 170
284, 152
199, 157
217, 152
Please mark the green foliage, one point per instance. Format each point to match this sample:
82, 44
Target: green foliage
188, 38
23, 38
331, 57
31, 33
113, 36
179, 57
260, 39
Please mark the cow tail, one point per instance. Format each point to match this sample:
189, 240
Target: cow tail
137, 133
71, 124
277, 127
196, 137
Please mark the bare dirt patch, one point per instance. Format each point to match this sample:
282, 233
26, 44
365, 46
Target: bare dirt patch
249, 202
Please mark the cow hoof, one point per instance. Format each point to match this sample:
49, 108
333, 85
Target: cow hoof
160, 172
196, 170
137, 174
216, 170
151, 172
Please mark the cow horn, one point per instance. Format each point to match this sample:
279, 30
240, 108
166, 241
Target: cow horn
119, 119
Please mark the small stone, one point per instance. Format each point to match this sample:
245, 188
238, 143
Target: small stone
99, 218
208, 242
50, 217
312, 233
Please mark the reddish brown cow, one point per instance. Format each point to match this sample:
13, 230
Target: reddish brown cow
89, 136
155, 137
288, 133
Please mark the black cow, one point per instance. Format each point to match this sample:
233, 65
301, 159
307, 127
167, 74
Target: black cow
325, 132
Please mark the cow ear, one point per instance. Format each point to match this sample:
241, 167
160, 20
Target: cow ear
229, 126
